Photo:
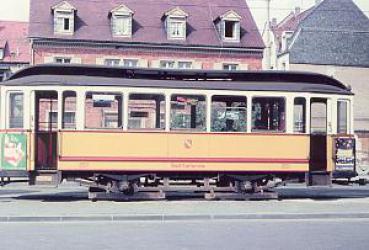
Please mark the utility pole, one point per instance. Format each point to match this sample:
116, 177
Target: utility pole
268, 29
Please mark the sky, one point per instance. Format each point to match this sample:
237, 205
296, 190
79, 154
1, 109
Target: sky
19, 9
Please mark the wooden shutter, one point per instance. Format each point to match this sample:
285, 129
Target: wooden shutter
76, 60
49, 59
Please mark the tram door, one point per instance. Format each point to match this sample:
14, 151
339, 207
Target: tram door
318, 134
46, 125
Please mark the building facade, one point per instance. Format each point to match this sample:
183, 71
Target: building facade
155, 34
15, 51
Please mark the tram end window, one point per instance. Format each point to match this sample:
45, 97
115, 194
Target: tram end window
69, 110
228, 114
268, 114
16, 106
103, 110
146, 111
343, 116
299, 115
318, 116
188, 112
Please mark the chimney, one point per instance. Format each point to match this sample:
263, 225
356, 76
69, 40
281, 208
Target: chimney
297, 11
274, 22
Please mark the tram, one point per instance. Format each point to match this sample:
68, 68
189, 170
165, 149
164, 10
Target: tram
130, 130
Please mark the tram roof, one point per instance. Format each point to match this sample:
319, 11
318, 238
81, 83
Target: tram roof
92, 75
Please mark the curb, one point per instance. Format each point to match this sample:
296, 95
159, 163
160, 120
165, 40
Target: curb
179, 217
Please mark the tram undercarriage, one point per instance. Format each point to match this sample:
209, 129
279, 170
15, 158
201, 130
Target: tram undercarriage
164, 186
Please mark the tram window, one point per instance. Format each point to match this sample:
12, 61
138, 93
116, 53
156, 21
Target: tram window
16, 110
188, 112
103, 110
342, 117
69, 110
146, 111
268, 114
299, 115
318, 115
228, 114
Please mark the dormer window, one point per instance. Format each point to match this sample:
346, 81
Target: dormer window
121, 21
286, 40
229, 26
176, 24
64, 14
1, 53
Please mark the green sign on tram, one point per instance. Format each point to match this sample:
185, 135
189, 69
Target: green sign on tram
13, 152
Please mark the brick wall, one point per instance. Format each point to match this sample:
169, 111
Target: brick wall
205, 60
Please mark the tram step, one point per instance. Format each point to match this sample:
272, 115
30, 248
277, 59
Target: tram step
52, 178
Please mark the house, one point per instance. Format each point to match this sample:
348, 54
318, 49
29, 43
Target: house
15, 51
191, 34
331, 38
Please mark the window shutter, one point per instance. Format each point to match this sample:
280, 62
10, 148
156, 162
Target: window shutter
218, 66
143, 63
71, 20
197, 65
244, 66
76, 60
222, 29
100, 61
237, 31
155, 64
48, 59
129, 24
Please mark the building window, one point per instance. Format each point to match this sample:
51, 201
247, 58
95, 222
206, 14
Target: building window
121, 21
268, 114
229, 26
103, 110
228, 114
342, 117
188, 112
175, 23
146, 111
16, 110
112, 62
63, 60
130, 63
299, 115
165, 64
64, 18
122, 25
1, 53
177, 28
230, 66
185, 65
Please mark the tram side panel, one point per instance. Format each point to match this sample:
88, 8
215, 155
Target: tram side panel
180, 152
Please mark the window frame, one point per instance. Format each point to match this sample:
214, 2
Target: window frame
259, 131
147, 93
348, 116
59, 21
120, 107
124, 25
179, 24
305, 115
189, 130
8, 108
62, 60
63, 110
247, 113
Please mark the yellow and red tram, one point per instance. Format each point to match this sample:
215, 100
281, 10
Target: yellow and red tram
120, 129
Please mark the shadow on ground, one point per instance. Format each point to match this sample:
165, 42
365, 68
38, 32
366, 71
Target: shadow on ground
285, 193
